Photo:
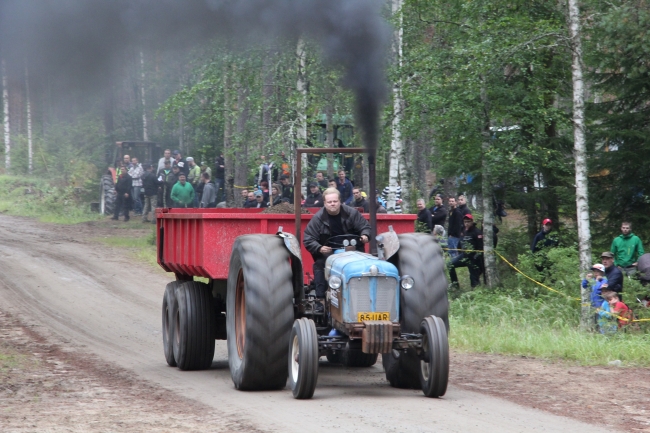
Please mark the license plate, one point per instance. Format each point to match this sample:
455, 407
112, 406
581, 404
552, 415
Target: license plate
373, 316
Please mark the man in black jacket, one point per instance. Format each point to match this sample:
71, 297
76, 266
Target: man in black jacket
462, 205
455, 228
334, 219
150, 185
359, 201
123, 189
314, 198
423, 224
472, 259
287, 188
220, 176
613, 274
438, 212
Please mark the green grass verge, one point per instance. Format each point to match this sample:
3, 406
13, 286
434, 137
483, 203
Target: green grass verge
49, 201
141, 248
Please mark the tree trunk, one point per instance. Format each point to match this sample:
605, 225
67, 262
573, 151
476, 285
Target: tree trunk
232, 193
396, 144
145, 131
580, 155
489, 258
30, 152
241, 162
329, 138
301, 86
5, 105
268, 91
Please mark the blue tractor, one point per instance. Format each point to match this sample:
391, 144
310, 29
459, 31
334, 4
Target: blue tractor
394, 304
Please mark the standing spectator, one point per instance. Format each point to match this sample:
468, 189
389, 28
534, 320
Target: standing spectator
180, 162
322, 182
543, 239
220, 177
606, 320
314, 198
126, 159
277, 194
123, 190
209, 195
598, 281
423, 224
259, 200
163, 190
344, 186
244, 196
264, 187
194, 179
262, 171
455, 228
250, 200
136, 171
613, 273
358, 172
287, 188
472, 240
167, 156
398, 197
205, 169
627, 248
331, 183
358, 200
150, 185
438, 212
170, 181
182, 192
380, 205
462, 205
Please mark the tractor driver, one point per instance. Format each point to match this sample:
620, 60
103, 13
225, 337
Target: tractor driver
333, 219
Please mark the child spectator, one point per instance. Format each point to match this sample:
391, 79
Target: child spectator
606, 321
598, 281
621, 310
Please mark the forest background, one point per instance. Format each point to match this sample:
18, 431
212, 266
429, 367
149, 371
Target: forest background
460, 74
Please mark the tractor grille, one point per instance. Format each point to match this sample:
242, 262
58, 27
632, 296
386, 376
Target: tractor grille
361, 301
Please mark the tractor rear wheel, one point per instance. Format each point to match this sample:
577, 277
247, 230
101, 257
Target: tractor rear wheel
303, 358
194, 326
420, 257
434, 365
259, 312
107, 195
168, 314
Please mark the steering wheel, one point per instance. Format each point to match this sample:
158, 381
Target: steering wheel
341, 241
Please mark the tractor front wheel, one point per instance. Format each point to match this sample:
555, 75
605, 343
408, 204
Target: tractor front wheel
434, 365
303, 358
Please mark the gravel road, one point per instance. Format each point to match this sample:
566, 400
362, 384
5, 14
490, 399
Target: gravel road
101, 311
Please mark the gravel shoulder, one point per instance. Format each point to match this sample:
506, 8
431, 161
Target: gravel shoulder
51, 383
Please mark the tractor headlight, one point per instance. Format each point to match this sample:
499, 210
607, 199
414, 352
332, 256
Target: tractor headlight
407, 282
334, 282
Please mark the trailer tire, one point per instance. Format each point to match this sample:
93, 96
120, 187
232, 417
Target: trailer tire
107, 195
168, 315
303, 358
194, 326
420, 257
434, 365
259, 312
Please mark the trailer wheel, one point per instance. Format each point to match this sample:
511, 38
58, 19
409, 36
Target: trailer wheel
194, 326
107, 195
434, 365
303, 358
420, 257
168, 314
259, 312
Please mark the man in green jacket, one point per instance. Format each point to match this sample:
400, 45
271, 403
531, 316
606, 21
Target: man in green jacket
182, 192
627, 249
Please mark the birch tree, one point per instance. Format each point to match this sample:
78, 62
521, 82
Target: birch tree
580, 154
30, 153
301, 86
145, 131
396, 144
5, 105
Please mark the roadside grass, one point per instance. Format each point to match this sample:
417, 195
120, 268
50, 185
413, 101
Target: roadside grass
50, 201
10, 360
142, 248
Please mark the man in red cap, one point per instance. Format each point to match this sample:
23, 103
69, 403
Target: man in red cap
542, 239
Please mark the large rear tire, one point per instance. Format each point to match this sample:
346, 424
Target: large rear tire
420, 257
434, 365
303, 358
194, 326
259, 312
168, 314
107, 195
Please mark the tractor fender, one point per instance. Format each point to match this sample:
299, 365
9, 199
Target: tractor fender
293, 246
388, 244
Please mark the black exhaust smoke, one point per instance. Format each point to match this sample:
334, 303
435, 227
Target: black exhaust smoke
77, 41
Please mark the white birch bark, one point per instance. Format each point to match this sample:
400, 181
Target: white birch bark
301, 86
30, 148
580, 154
489, 258
5, 105
145, 131
396, 144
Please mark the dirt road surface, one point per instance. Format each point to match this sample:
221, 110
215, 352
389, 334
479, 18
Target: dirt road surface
85, 321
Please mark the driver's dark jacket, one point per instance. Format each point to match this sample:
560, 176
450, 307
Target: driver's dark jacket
317, 232
472, 240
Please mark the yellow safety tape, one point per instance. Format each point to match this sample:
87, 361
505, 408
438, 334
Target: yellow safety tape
244, 187
539, 283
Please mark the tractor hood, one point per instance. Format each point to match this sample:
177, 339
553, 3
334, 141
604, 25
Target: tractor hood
353, 264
